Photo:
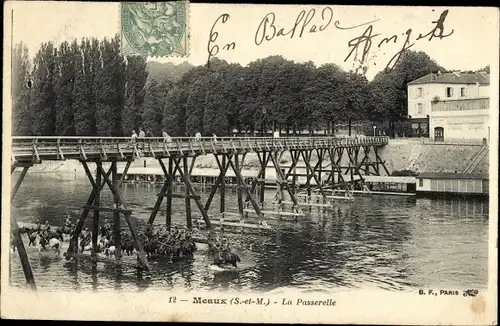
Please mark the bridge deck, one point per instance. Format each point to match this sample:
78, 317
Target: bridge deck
37, 149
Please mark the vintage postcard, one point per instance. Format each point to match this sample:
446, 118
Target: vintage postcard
172, 161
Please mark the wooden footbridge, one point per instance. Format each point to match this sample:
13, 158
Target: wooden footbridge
321, 157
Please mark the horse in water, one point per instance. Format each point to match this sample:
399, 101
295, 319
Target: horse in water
31, 233
56, 233
32, 238
53, 244
65, 229
222, 255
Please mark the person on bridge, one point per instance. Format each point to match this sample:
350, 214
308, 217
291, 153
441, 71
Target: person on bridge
166, 137
134, 137
214, 138
141, 137
197, 136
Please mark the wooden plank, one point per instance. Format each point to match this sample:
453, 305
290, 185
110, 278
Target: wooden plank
276, 213
74, 240
179, 196
240, 185
101, 259
242, 225
160, 195
249, 195
95, 221
187, 199
222, 182
170, 187
231, 214
23, 256
305, 204
18, 183
106, 209
218, 183
191, 190
116, 215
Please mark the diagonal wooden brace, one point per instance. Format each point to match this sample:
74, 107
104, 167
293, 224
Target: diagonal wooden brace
193, 192
116, 191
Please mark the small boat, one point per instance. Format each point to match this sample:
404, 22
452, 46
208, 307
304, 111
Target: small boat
227, 268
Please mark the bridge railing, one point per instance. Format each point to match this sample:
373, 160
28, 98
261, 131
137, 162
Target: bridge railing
60, 147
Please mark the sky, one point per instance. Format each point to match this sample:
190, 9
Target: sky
473, 43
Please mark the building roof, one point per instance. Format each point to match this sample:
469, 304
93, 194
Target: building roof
453, 78
452, 175
389, 179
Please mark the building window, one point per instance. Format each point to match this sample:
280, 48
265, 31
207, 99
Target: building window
420, 182
420, 92
449, 92
463, 92
419, 108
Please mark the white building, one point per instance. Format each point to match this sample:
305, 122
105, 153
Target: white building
451, 105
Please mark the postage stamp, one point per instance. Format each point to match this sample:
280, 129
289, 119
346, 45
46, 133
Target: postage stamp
155, 29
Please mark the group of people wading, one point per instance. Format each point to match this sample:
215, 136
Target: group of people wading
156, 240
49, 237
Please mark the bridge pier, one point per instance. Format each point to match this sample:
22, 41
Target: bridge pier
284, 183
16, 234
184, 167
110, 179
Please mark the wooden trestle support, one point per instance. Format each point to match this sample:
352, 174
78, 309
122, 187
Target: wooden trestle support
15, 233
110, 179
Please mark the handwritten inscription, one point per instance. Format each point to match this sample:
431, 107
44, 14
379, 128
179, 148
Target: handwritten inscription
311, 21
365, 41
213, 49
269, 30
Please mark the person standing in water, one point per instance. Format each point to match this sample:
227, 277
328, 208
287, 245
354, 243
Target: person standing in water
68, 222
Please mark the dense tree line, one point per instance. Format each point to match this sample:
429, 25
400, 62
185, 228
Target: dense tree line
82, 87
87, 87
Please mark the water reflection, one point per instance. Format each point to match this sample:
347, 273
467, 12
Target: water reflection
388, 242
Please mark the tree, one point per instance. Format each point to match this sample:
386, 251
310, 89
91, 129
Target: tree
111, 91
44, 97
195, 88
174, 112
64, 80
323, 93
389, 90
83, 107
152, 114
21, 89
136, 78
356, 97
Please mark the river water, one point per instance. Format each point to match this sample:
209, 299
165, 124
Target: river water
385, 242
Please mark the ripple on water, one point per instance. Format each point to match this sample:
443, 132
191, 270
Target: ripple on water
376, 242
